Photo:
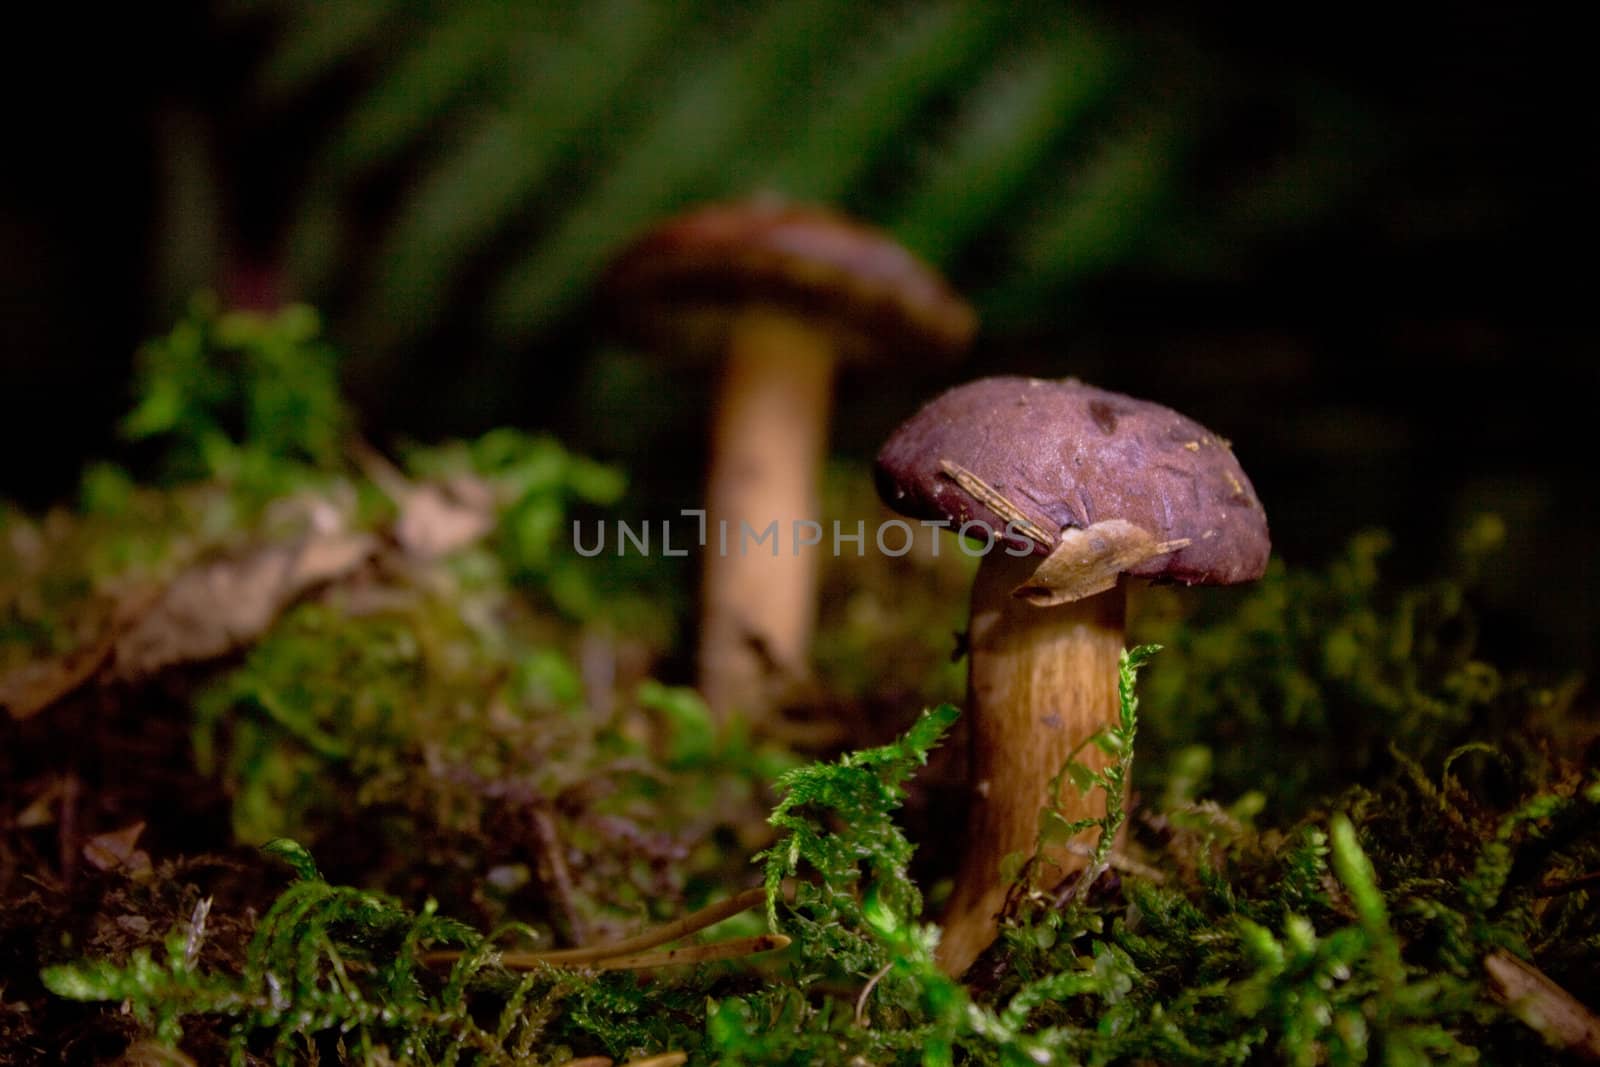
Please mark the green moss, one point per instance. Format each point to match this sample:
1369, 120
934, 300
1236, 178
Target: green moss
1312, 677
240, 396
1344, 808
325, 960
1341, 940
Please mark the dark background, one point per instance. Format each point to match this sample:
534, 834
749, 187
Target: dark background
1354, 240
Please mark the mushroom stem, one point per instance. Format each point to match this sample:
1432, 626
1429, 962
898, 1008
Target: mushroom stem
1041, 681
766, 445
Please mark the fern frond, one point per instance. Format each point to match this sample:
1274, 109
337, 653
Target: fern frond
310, 48
908, 57
1032, 96
471, 48
1089, 217
506, 151
731, 101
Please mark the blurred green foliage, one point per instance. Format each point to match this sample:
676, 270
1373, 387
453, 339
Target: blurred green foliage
490, 158
231, 411
247, 398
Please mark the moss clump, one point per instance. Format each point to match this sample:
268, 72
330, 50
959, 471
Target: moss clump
242, 397
1350, 825
327, 964
1352, 937
1313, 677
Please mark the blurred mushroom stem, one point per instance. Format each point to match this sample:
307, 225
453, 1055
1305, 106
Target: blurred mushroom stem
758, 596
1041, 681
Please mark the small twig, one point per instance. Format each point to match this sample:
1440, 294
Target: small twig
558, 879
597, 659
1532, 997
1117, 861
380, 470
1582, 881
709, 915
662, 1059
1079, 887
995, 501
67, 829
866, 991
717, 950
1122, 862
153, 1054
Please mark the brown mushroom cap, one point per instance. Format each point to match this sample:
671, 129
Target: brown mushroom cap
684, 281
1070, 455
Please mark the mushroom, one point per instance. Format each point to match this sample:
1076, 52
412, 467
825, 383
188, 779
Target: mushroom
1080, 487
784, 291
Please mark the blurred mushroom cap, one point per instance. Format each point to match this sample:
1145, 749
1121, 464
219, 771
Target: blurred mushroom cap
682, 284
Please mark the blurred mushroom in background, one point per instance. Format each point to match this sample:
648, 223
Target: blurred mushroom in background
783, 293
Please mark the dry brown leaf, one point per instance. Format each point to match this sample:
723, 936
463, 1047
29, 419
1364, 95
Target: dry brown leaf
206, 612
217, 607
42, 810
437, 520
117, 849
326, 558
32, 687
1089, 560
